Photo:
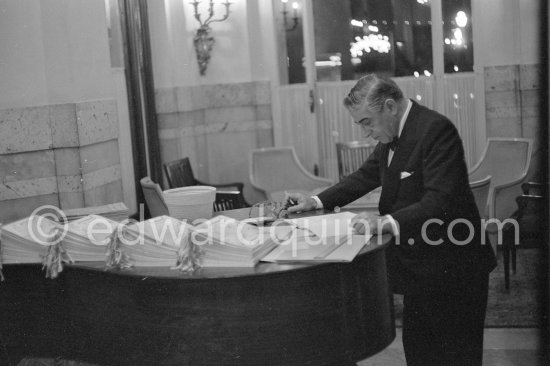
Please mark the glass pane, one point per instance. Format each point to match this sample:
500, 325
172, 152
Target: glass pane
290, 23
356, 37
457, 33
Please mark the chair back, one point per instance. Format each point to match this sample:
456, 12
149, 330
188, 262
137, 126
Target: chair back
179, 173
507, 161
480, 189
351, 155
504, 159
153, 197
274, 170
229, 200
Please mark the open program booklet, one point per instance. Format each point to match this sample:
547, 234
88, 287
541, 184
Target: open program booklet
226, 242
324, 238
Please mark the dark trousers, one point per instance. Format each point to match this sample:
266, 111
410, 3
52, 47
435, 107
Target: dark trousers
443, 324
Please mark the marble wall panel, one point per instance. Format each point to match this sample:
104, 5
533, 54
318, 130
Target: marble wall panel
503, 104
69, 200
41, 159
499, 78
228, 95
165, 100
186, 101
216, 126
168, 120
198, 97
513, 107
191, 118
28, 165
262, 92
230, 114
63, 125
263, 112
25, 129
264, 138
98, 156
101, 177
530, 103
503, 127
228, 127
104, 194
28, 188
530, 77
67, 161
16, 209
96, 121
70, 183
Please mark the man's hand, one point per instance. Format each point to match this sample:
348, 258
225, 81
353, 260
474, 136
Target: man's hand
367, 223
298, 202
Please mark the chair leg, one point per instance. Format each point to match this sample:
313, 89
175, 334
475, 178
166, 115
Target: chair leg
513, 253
506, 257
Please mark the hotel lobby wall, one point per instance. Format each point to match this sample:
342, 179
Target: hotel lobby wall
216, 126
64, 155
215, 119
58, 110
513, 107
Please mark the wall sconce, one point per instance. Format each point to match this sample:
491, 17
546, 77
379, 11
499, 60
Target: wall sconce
203, 39
294, 17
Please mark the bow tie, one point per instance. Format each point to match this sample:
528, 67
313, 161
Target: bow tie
393, 144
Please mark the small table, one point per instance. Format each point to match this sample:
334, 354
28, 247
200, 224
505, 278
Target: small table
276, 314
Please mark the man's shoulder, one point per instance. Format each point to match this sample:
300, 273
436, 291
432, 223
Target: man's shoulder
429, 119
428, 115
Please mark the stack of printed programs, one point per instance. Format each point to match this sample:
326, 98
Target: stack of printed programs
86, 239
155, 242
323, 238
115, 211
27, 240
226, 242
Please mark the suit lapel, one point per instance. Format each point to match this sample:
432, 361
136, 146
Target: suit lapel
392, 174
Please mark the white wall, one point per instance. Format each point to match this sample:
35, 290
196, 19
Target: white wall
236, 57
53, 51
508, 31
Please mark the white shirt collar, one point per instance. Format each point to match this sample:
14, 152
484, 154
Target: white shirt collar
404, 117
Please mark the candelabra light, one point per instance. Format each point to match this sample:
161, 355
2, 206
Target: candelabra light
203, 39
287, 24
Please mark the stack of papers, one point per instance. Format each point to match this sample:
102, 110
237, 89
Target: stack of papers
27, 240
87, 238
226, 242
324, 238
115, 211
155, 242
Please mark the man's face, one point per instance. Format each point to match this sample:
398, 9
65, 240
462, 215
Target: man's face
381, 126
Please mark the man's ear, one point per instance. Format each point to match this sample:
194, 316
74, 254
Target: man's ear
391, 104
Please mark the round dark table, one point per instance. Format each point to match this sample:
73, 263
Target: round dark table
272, 314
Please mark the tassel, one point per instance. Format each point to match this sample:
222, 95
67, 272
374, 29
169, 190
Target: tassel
116, 257
53, 261
188, 255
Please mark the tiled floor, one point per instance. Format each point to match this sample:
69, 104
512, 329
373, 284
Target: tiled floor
502, 347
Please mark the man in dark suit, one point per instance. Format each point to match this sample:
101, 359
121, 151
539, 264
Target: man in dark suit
441, 259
